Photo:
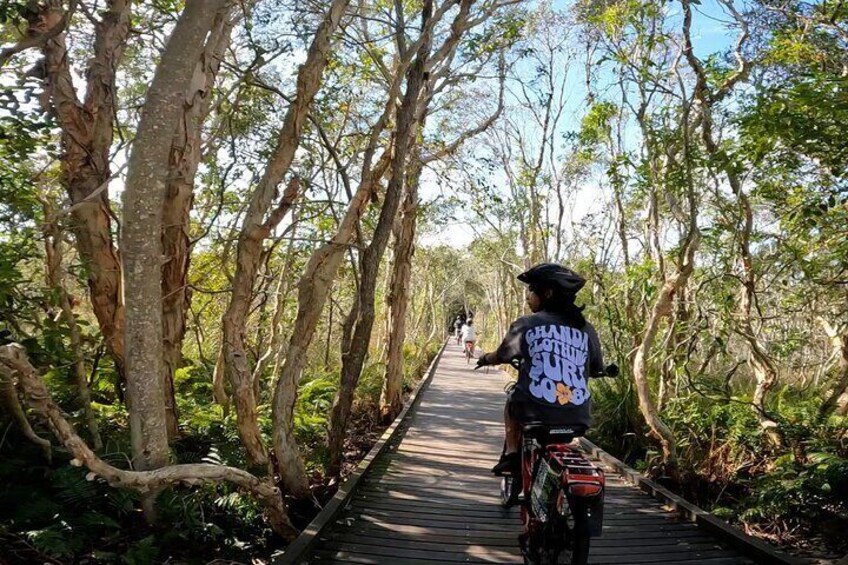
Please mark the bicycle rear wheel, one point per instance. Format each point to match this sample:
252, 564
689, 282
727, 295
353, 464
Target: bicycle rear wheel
580, 543
572, 541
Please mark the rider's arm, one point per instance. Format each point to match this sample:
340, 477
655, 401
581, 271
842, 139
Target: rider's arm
509, 349
596, 356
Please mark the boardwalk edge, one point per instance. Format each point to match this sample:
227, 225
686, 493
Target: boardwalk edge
750, 546
298, 549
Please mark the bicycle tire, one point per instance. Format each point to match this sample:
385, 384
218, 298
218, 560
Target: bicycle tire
580, 543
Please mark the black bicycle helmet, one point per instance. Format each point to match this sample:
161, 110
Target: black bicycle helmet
553, 273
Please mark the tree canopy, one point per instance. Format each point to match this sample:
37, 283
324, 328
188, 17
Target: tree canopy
234, 234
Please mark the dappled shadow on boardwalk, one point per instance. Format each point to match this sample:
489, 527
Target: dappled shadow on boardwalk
431, 499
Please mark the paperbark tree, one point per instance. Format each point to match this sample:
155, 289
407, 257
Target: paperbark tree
143, 199
314, 286
258, 224
354, 357
16, 372
391, 399
86, 131
761, 362
53, 250
185, 156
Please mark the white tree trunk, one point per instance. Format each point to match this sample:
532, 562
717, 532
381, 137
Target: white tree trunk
141, 238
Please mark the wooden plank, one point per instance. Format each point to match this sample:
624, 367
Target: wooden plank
368, 528
392, 555
303, 543
450, 535
376, 517
431, 499
449, 516
440, 554
759, 550
424, 544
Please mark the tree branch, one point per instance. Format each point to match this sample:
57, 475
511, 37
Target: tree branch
15, 365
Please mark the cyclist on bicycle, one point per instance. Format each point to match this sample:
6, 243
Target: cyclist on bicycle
457, 328
557, 351
469, 335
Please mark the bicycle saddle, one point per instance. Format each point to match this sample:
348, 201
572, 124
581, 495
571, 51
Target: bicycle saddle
561, 434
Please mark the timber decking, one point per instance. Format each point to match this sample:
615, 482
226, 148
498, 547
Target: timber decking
430, 498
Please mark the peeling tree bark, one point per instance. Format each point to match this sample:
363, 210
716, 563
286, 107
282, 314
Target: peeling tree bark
179, 195
391, 399
256, 227
313, 288
142, 244
16, 369
282, 293
354, 358
410, 116
86, 139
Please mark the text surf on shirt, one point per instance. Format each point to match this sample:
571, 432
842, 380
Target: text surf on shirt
558, 366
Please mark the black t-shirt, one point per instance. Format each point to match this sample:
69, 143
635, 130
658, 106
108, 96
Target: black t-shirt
556, 362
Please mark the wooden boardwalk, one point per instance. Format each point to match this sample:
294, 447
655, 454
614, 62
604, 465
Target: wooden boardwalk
431, 498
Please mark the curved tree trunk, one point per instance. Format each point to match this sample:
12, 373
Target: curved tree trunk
313, 288
661, 309
258, 224
15, 366
56, 281
391, 399
354, 359
86, 139
761, 363
315, 284
9, 399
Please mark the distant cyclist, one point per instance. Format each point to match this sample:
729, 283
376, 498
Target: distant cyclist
469, 335
457, 329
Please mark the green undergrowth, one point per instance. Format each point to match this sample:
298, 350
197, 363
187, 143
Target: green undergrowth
787, 493
52, 512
